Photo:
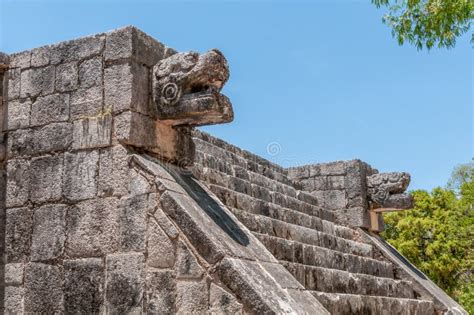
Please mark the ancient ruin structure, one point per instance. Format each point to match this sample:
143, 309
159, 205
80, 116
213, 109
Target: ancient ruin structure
112, 202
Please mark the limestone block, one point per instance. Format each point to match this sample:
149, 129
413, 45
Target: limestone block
90, 73
14, 273
187, 266
138, 183
48, 232
222, 302
50, 109
14, 79
94, 132
84, 286
21, 59
113, 171
133, 223
19, 224
125, 283
191, 297
46, 178
80, 176
86, 103
93, 228
66, 77
35, 82
14, 300
161, 252
335, 182
43, 288
168, 227
18, 114
18, 182
160, 291
135, 129
77, 49
40, 56
333, 168
335, 199
281, 276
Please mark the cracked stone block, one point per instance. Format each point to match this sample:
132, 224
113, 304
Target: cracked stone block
20, 60
18, 183
138, 184
35, 82
125, 283
77, 49
160, 291
18, 114
90, 73
13, 300
161, 252
50, 109
93, 228
191, 297
67, 77
48, 232
165, 223
92, 132
86, 103
84, 286
40, 56
46, 178
43, 288
222, 302
187, 266
19, 225
14, 273
133, 222
14, 79
80, 176
113, 171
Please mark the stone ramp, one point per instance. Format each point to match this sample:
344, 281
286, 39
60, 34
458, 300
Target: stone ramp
343, 270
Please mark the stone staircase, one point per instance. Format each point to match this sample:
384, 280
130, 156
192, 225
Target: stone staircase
331, 261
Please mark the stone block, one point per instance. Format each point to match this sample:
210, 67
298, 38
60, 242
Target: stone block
161, 252
86, 103
335, 199
18, 182
41, 56
135, 129
93, 132
80, 176
46, 178
35, 82
84, 286
168, 227
14, 274
14, 79
19, 224
133, 223
333, 168
13, 300
21, 59
77, 49
49, 233
43, 289
119, 44
113, 171
222, 302
125, 283
67, 77
18, 114
50, 109
90, 73
93, 228
335, 182
191, 297
187, 266
160, 291
139, 184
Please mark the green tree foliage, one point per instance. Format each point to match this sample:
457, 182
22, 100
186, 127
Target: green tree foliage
428, 23
438, 237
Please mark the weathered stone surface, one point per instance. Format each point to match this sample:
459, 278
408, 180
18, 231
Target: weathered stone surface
35, 82
335, 199
191, 297
49, 109
168, 227
14, 300
113, 171
133, 223
40, 56
93, 228
14, 273
43, 288
160, 291
46, 178
139, 184
187, 266
18, 182
21, 59
14, 80
19, 114
125, 283
93, 132
49, 232
19, 224
80, 176
84, 286
161, 251
86, 103
222, 302
66, 77
77, 49
90, 73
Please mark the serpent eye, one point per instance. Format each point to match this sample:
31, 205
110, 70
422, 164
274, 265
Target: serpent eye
170, 93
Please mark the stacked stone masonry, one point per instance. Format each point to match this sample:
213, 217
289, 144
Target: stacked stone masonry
95, 218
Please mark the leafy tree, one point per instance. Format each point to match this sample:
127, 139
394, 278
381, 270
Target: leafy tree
437, 236
428, 23
460, 175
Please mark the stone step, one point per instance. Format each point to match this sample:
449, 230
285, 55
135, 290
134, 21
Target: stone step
265, 225
350, 304
253, 205
293, 251
339, 281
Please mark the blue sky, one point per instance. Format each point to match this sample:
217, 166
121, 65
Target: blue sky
319, 81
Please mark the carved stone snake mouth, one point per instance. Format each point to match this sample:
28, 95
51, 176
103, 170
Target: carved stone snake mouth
187, 89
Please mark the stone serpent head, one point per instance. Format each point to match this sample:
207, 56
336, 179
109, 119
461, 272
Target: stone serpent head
387, 190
